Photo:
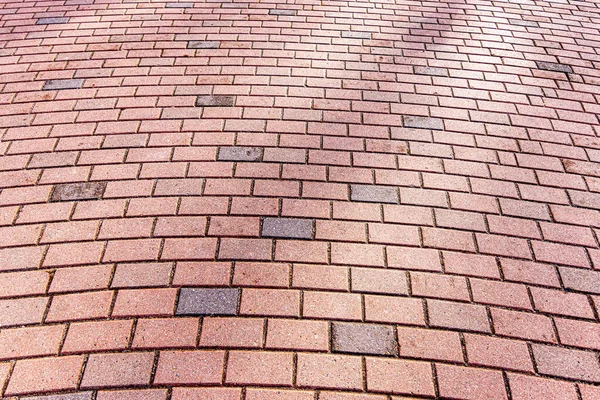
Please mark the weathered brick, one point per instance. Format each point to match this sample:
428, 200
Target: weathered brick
567, 363
556, 67
374, 194
203, 44
289, 228
240, 154
69, 396
52, 21
78, 191
363, 339
179, 5
431, 71
63, 84
208, 301
356, 35
215, 101
520, 22
287, 13
423, 123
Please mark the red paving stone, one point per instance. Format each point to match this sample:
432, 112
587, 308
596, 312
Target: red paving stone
429, 169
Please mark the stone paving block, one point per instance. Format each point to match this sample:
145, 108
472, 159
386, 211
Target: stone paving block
431, 71
203, 44
179, 5
78, 191
374, 194
223, 301
67, 396
579, 279
423, 123
356, 35
215, 101
520, 22
287, 13
52, 20
363, 339
240, 154
288, 228
556, 67
63, 84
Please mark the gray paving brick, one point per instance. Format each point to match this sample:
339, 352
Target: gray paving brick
581, 280
423, 123
215, 101
431, 71
556, 67
179, 5
295, 228
374, 194
78, 191
240, 154
364, 339
52, 20
356, 35
61, 84
288, 13
208, 301
68, 396
520, 22
203, 44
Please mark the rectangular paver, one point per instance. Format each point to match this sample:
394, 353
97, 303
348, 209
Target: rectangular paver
203, 44
208, 301
78, 191
240, 154
363, 339
291, 228
215, 101
423, 123
52, 20
374, 194
288, 13
556, 67
62, 84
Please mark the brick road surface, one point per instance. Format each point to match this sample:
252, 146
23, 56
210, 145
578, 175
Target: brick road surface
299, 199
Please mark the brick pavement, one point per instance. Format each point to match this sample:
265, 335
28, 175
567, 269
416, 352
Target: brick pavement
332, 200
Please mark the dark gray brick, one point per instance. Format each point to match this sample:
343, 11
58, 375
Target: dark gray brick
287, 13
363, 339
581, 280
423, 123
68, 396
78, 191
356, 35
295, 228
52, 20
208, 301
61, 84
203, 44
215, 101
374, 194
179, 5
556, 67
520, 22
240, 154
431, 71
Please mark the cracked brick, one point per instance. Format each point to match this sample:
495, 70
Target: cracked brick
287, 13
520, 22
63, 84
52, 20
356, 35
431, 71
215, 101
208, 301
203, 44
78, 191
374, 194
240, 154
179, 5
363, 339
423, 123
556, 67
290, 228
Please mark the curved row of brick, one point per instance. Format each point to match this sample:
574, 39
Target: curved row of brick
306, 199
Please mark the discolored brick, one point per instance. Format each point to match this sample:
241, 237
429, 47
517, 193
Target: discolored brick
431, 71
520, 22
356, 35
52, 21
203, 44
556, 67
208, 301
69, 396
363, 339
567, 363
179, 5
240, 154
288, 228
374, 194
215, 101
78, 191
287, 13
63, 84
423, 123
